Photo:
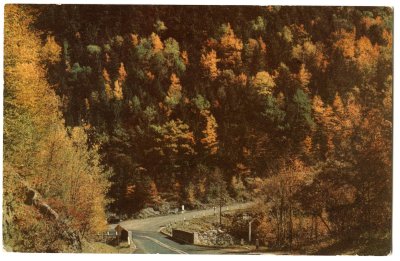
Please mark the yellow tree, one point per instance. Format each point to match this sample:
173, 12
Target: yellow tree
210, 140
345, 43
174, 93
107, 85
58, 175
230, 47
51, 51
366, 55
118, 93
325, 129
209, 62
304, 77
263, 83
156, 42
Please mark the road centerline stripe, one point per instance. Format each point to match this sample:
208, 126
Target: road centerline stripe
165, 245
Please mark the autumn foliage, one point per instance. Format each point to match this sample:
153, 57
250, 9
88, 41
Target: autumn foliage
42, 155
288, 105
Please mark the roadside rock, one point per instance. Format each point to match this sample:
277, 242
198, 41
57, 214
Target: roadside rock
173, 211
147, 212
215, 238
163, 208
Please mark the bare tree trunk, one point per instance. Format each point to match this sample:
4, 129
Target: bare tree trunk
301, 230
284, 226
290, 227
312, 234
316, 227
281, 229
325, 224
277, 227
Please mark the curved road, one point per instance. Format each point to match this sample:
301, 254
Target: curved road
148, 239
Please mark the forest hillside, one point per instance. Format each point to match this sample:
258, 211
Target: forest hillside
113, 109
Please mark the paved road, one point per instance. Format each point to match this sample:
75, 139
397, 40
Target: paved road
148, 240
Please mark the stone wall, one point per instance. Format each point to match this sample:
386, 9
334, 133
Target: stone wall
184, 236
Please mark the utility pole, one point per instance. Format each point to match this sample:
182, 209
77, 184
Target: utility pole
251, 221
220, 205
116, 234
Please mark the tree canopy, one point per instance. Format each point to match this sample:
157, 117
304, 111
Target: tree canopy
146, 104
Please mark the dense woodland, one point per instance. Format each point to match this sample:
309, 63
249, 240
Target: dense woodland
111, 109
